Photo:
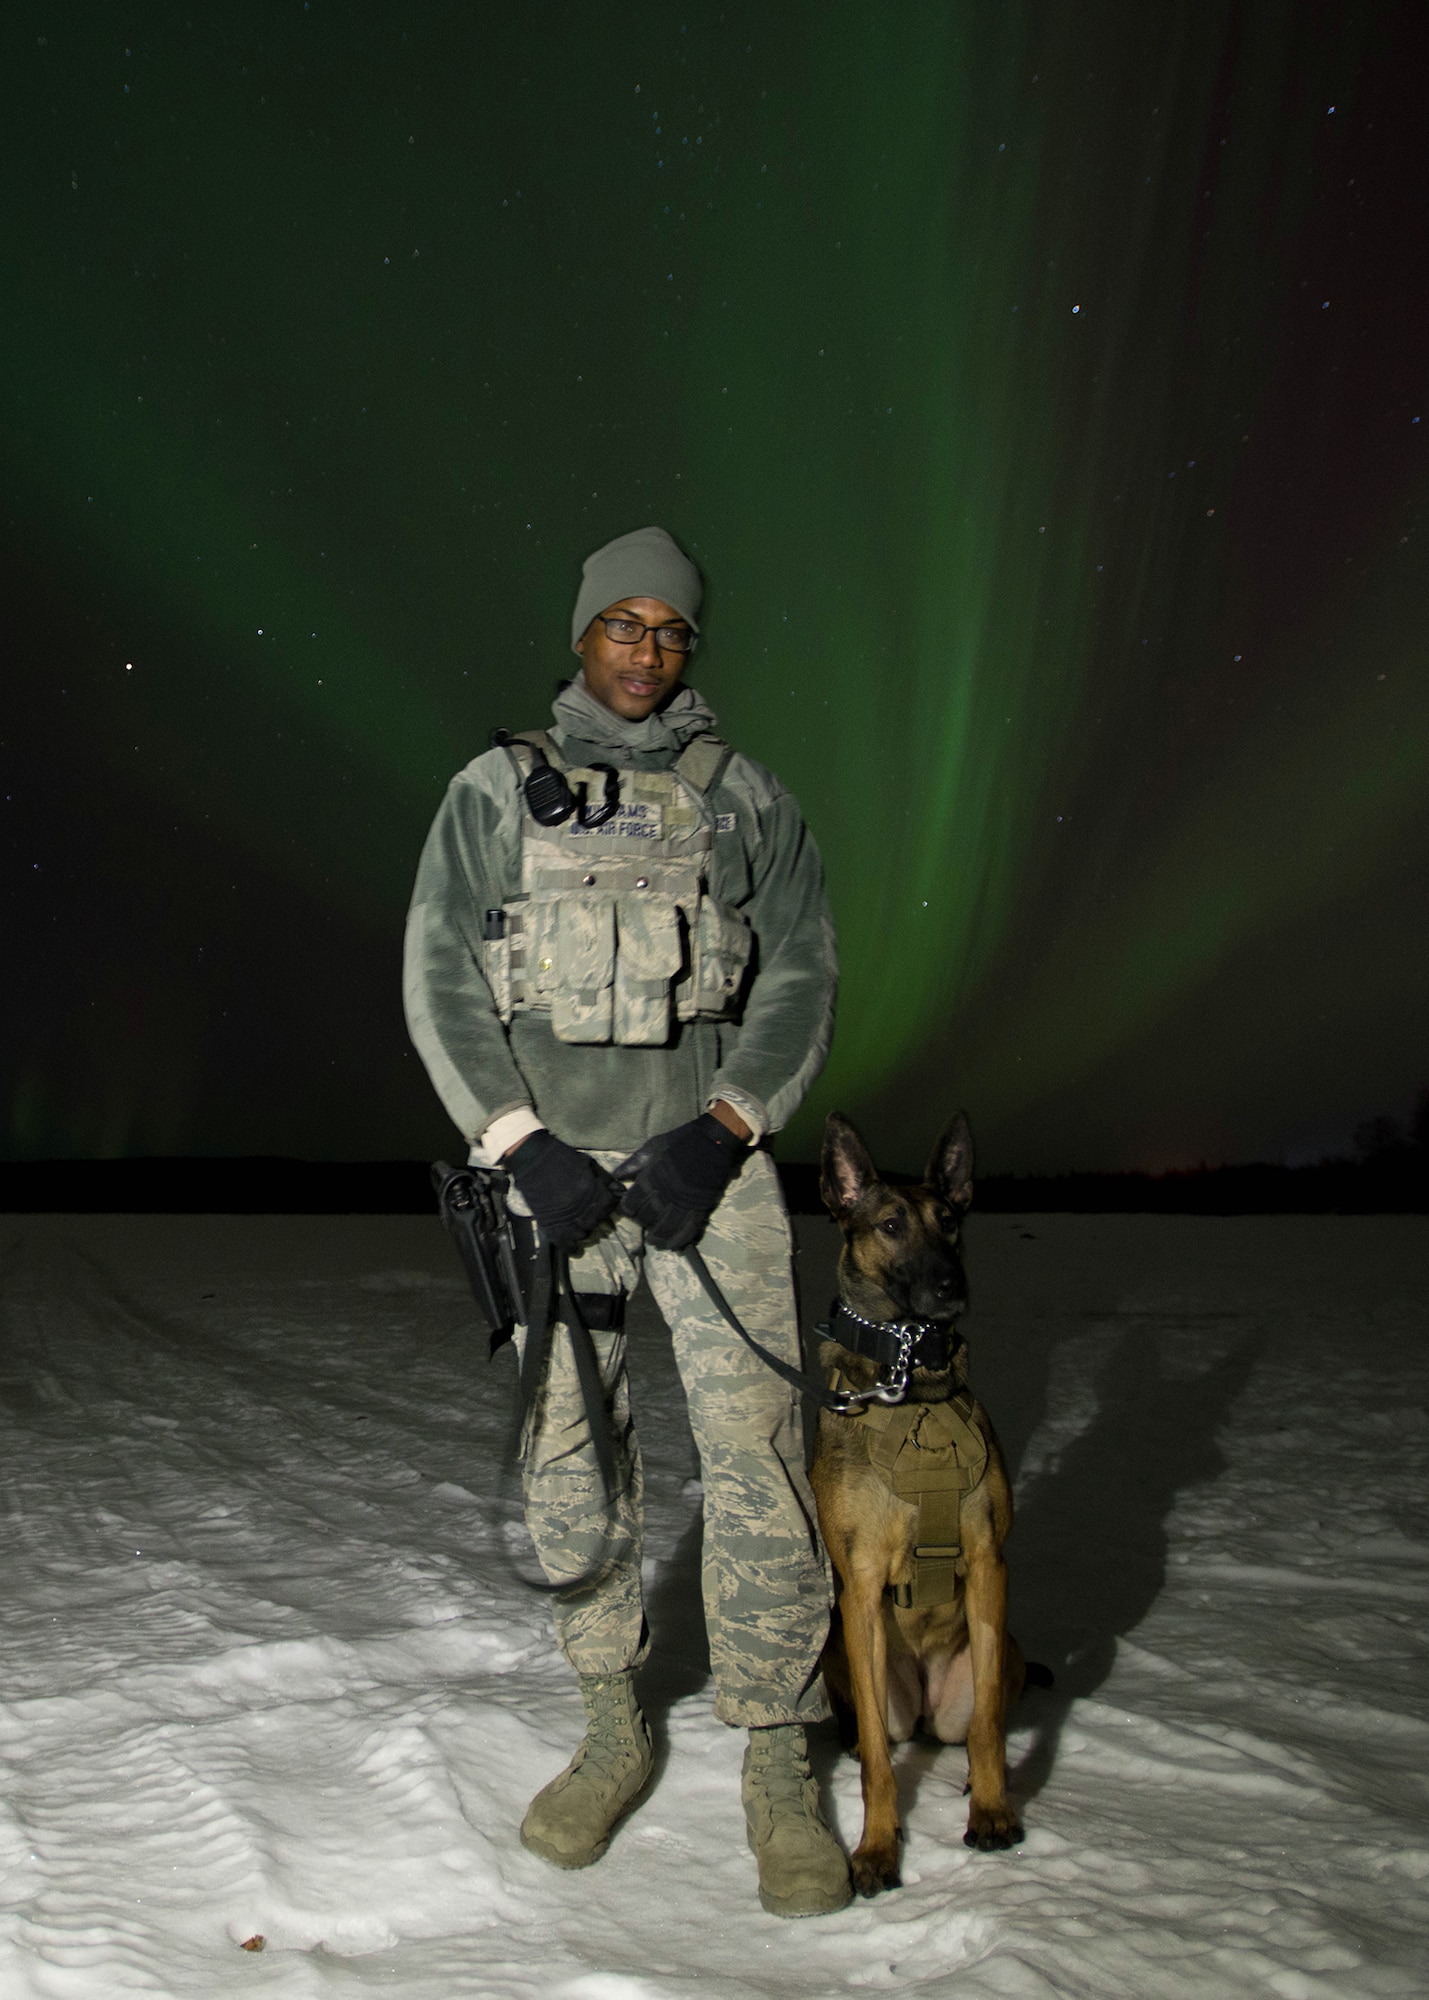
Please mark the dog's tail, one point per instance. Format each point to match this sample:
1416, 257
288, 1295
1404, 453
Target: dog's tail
1039, 1676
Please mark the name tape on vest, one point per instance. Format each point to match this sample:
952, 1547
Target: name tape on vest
635, 819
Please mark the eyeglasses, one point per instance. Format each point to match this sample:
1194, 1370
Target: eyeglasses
629, 632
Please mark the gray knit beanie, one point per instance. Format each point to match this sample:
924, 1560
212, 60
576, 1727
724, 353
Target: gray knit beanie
645, 563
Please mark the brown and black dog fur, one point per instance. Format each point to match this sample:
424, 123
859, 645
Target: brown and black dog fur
951, 1667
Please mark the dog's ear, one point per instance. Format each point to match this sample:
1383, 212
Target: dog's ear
950, 1169
846, 1169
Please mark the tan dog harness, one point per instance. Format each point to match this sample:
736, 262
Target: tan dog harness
930, 1454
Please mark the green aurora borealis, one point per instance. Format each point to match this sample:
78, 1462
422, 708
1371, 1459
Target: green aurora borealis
1038, 387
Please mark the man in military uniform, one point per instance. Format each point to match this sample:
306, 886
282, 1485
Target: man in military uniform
640, 961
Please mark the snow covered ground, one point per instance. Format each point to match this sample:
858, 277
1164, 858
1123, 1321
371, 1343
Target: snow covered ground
266, 1670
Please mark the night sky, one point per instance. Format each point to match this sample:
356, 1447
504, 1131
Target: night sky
1039, 387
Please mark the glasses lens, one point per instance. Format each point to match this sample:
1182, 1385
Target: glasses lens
629, 632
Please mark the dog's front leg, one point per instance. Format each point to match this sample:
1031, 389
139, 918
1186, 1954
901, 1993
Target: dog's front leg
992, 1821
875, 1859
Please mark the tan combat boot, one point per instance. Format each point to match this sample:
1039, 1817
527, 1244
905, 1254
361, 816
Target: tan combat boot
569, 1822
802, 1869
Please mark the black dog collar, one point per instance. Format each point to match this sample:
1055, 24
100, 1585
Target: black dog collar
932, 1344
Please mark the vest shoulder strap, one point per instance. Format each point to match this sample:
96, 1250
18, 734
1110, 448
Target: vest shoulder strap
527, 741
701, 763
542, 740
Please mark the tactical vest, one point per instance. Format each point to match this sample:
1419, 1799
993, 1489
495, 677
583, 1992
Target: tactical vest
931, 1454
614, 932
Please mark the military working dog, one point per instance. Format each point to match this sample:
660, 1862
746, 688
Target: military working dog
913, 1496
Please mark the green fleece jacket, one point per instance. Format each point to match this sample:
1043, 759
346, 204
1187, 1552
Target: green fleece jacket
765, 864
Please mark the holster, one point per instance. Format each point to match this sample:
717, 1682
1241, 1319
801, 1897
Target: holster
498, 1251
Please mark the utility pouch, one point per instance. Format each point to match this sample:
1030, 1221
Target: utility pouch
496, 961
721, 946
570, 964
648, 959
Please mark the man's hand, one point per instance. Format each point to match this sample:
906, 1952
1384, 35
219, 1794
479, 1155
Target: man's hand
677, 1178
566, 1192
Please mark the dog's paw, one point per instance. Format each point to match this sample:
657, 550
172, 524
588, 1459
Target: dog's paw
990, 1828
875, 1868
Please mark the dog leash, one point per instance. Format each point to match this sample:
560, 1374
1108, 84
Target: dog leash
554, 1299
551, 1290
891, 1386
553, 1287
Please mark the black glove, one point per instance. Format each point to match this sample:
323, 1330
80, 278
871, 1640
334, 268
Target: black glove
567, 1193
677, 1177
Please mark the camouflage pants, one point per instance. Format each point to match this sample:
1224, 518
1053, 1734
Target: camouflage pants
765, 1579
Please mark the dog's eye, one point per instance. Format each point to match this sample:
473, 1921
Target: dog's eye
892, 1225
947, 1221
